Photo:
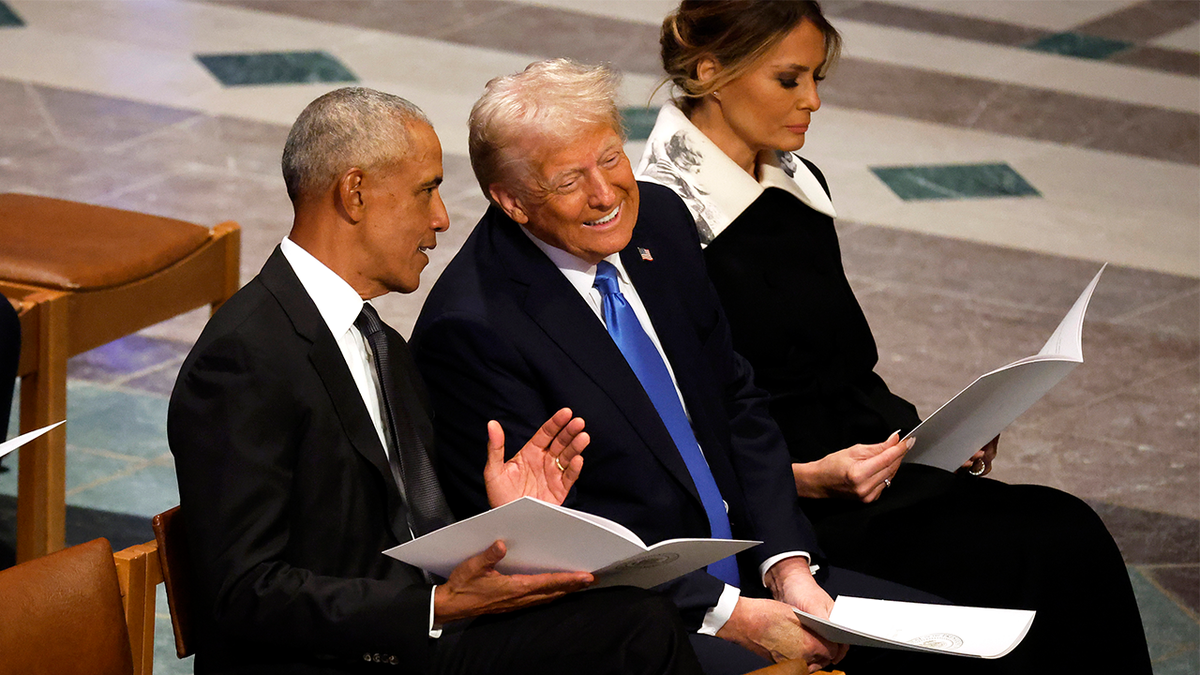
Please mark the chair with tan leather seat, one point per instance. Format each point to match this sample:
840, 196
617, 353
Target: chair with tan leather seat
62, 614
82, 276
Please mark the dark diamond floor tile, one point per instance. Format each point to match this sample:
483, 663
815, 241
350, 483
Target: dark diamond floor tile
234, 70
1079, 45
1183, 582
9, 18
1148, 538
638, 122
959, 181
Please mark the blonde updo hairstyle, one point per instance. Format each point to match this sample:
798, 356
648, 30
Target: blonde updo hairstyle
736, 33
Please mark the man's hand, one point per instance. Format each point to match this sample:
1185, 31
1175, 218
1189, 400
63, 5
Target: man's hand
545, 468
980, 463
771, 630
475, 587
790, 581
860, 472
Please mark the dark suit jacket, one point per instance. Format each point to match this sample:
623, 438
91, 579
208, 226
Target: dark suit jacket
504, 336
287, 493
778, 271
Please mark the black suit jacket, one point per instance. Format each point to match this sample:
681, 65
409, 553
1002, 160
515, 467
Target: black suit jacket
504, 336
287, 493
778, 271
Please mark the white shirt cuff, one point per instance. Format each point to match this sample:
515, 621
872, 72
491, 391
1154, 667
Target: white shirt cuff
716, 617
762, 569
434, 631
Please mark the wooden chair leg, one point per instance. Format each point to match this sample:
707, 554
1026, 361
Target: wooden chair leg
139, 574
42, 479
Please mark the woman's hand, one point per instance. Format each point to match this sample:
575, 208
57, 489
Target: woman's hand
860, 472
980, 463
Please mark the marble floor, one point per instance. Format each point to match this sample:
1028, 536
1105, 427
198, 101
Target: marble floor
985, 157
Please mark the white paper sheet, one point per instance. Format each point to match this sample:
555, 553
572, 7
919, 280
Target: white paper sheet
980, 632
965, 423
8, 446
542, 537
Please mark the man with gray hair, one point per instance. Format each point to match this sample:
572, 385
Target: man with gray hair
303, 447
582, 287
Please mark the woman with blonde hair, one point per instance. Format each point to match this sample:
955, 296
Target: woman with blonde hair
745, 75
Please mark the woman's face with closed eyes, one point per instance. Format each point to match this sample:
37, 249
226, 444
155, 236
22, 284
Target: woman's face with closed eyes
769, 106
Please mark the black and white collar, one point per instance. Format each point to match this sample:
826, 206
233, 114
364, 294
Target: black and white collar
716, 190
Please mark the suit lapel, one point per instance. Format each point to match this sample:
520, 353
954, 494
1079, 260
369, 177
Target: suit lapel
556, 307
327, 360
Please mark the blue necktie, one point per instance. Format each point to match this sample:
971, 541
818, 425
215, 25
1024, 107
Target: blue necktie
643, 357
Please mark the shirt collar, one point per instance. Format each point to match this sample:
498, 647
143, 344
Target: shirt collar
338, 302
578, 271
720, 190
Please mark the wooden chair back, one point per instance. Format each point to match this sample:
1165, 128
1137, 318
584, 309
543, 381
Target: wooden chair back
173, 556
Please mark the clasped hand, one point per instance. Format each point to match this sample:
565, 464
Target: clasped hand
475, 587
771, 629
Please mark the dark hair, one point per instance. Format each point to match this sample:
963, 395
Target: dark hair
736, 33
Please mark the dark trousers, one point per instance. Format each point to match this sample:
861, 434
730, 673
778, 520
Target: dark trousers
604, 631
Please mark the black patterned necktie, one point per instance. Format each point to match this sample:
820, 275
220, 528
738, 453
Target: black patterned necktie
410, 462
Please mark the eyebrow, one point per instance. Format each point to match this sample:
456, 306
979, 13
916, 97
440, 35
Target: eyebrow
558, 177
435, 182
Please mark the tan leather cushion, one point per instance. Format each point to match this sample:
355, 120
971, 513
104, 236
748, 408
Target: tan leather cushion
61, 615
71, 246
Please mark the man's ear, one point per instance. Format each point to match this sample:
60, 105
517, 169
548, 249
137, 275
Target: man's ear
350, 199
510, 204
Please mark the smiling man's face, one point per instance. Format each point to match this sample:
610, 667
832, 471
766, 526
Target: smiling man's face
587, 200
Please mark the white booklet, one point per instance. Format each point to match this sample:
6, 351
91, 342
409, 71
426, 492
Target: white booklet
8, 446
980, 632
542, 537
965, 423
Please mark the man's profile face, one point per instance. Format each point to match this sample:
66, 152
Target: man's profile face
591, 204
405, 213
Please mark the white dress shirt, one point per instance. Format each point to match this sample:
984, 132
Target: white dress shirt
339, 305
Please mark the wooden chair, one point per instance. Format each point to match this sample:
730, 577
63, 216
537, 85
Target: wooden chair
171, 537
82, 276
62, 614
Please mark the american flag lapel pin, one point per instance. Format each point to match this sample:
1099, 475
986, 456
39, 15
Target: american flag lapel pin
645, 253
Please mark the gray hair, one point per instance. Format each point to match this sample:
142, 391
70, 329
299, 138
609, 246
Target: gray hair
548, 101
348, 127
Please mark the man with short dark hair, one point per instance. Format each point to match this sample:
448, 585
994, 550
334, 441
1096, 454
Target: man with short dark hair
303, 446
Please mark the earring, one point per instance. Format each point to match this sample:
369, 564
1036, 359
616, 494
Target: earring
716, 94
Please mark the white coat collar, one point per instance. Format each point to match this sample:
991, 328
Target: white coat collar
715, 189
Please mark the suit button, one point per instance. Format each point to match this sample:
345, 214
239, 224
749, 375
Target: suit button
393, 660
376, 658
367, 658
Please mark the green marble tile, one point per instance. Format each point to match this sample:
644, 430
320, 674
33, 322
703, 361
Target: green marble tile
1173, 636
148, 491
117, 421
638, 122
954, 181
9, 18
1079, 45
235, 70
82, 468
